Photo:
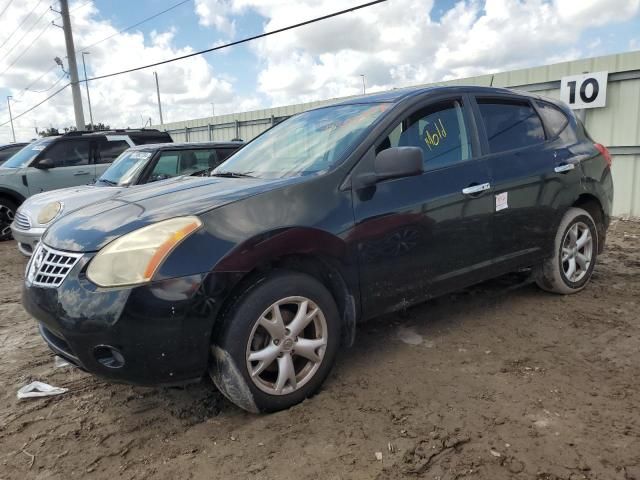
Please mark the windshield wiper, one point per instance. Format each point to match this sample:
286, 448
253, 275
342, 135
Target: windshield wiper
233, 175
108, 182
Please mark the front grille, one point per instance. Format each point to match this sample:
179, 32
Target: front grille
23, 222
49, 268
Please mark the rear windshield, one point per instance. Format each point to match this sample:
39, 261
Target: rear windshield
24, 157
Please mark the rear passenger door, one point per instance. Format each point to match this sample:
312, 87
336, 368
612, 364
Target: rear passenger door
72, 166
521, 157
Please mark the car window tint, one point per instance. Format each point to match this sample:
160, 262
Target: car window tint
224, 153
192, 161
555, 120
510, 124
166, 166
108, 151
69, 153
439, 131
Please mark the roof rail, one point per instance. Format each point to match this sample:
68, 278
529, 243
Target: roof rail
76, 133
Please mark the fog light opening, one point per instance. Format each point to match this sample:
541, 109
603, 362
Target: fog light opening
108, 356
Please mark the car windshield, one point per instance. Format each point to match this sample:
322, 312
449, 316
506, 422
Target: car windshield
126, 168
313, 142
28, 153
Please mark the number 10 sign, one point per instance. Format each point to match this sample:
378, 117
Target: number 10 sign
584, 91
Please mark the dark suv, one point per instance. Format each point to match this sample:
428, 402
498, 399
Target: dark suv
333, 216
69, 160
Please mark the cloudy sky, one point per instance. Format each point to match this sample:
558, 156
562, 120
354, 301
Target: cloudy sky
394, 44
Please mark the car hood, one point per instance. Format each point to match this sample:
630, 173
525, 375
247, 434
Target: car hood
89, 229
71, 198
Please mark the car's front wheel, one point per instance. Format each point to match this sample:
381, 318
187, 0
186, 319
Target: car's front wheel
574, 256
277, 343
7, 212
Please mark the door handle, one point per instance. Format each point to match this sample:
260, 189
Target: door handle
564, 168
77, 174
476, 188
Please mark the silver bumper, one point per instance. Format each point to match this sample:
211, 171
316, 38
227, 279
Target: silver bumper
27, 239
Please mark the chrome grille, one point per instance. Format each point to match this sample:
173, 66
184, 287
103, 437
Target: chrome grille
49, 268
22, 221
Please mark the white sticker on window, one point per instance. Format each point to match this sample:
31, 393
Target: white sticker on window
38, 148
502, 201
140, 155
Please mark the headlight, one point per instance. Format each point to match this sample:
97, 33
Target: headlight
135, 257
48, 213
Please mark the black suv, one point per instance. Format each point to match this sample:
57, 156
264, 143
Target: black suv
333, 216
69, 160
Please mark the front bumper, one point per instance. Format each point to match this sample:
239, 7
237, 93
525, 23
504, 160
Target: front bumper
157, 334
27, 239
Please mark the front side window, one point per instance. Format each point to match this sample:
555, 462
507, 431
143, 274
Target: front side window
69, 153
108, 150
310, 143
510, 124
25, 156
439, 131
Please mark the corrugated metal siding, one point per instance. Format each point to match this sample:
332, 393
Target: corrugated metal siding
617, 125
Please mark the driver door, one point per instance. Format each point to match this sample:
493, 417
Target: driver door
71, 166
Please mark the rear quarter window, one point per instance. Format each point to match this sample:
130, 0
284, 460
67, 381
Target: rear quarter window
510, 124
554, 118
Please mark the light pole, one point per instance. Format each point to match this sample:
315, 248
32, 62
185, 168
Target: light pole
364, 88
213, 109
86, 84
13, 132
159, 103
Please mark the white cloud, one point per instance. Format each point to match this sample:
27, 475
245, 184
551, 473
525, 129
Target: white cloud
398, 43
187, 87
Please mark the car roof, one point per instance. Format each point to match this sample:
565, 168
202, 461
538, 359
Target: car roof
186, 145
399, 94
16, 144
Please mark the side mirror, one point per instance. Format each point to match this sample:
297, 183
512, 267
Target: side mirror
45, 164
395, 162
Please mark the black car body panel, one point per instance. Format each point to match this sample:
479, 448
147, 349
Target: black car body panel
387, 246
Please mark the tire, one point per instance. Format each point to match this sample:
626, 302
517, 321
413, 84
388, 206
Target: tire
570, 248
7, 212
283, 376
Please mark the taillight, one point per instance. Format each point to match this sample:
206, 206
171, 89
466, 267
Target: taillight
605, 153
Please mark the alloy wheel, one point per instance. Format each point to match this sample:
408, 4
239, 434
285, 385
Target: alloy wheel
6, 218
577, 252
287, 345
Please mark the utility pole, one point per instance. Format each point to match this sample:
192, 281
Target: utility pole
158, 92
73, 66
86, 84
213, 109
364, 89
13, 132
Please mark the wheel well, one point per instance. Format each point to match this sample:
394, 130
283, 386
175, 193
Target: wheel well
592, 205
319, 268
12, 198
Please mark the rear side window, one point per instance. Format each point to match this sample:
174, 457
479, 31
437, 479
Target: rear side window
555, 120
108, 151
510, 124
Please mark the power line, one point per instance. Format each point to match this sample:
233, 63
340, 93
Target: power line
27, 32
37, 105
21, 23
238, 42
39, 78
26, 49
47, 89
5, 8
134, 25
81, 6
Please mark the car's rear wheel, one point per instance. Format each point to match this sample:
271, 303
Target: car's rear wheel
7, 212
575, 253
277, 344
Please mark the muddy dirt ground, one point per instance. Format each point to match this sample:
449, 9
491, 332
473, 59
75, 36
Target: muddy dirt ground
499, 381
